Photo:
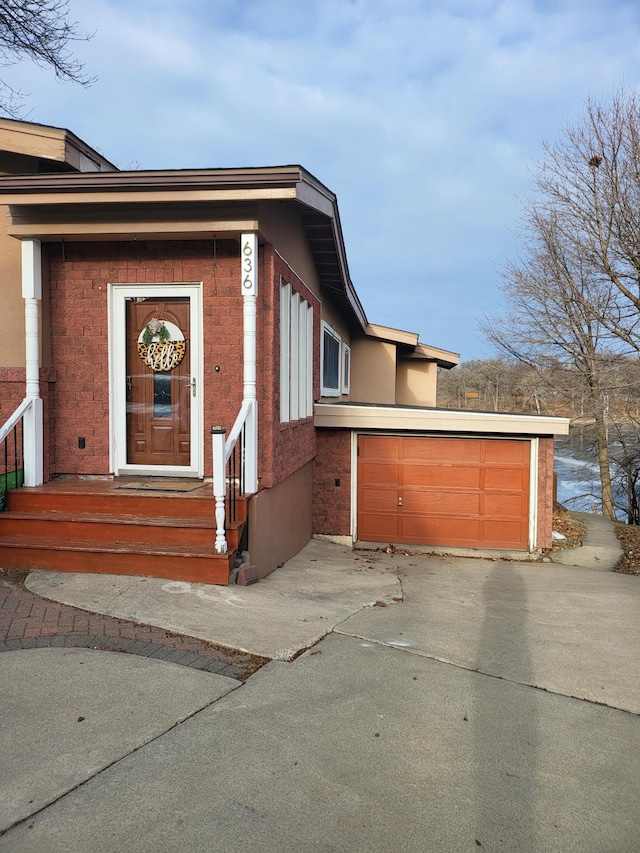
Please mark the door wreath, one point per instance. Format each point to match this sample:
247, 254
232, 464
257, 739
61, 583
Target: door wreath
161, 345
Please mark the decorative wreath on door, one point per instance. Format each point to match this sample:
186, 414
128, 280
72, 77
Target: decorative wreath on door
161, 345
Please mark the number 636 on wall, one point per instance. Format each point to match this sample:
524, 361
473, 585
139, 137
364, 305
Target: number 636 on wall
249, 259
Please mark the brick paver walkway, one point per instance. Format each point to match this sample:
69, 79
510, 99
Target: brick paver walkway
28, 621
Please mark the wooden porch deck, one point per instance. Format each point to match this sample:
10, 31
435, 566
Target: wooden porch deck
156, 527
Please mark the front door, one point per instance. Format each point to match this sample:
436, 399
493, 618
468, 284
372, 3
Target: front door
155, 379
159, 384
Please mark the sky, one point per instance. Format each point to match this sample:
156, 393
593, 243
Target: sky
424, 117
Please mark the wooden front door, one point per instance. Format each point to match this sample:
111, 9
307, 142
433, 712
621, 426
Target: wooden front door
159, 380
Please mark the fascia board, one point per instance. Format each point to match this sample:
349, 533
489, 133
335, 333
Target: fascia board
345, 416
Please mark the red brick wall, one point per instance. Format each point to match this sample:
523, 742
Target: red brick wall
545, 493
284, 447
331, 503
79, 279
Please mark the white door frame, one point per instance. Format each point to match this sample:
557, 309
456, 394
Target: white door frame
118, 294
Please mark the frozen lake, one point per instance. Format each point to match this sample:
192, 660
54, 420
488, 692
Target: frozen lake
578, 479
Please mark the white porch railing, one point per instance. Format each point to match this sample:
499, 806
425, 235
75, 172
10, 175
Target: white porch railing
15, 418
12, 459
226, 487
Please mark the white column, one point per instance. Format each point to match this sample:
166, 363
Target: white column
219, 486
249, 277
33, 419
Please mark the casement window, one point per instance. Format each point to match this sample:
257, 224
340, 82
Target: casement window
346, 368
296, 356
331, 357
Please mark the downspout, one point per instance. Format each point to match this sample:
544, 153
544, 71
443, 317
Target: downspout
33, 418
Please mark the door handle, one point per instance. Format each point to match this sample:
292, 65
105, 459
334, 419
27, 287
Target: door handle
400, 501
193, 385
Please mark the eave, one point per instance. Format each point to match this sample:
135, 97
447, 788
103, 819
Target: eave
415, 419
37, 206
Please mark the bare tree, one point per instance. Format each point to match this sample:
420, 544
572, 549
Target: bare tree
549, 295
590, 181
39, 30
575, 293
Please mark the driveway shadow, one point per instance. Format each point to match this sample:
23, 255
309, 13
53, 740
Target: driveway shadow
505, 717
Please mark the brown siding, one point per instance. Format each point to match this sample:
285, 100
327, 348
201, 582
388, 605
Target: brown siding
331, 502
280, 521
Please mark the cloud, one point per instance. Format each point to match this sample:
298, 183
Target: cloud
423, 117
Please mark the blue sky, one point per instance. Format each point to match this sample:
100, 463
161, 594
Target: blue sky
425, 117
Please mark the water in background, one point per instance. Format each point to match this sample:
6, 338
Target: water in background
578, 475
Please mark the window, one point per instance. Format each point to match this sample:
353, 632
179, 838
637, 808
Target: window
296, 356
346, 368
331, 350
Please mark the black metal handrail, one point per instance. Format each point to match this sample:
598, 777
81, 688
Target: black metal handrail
235, 477
11, 462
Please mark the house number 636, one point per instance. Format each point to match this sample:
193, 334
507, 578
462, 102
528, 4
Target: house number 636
248, 262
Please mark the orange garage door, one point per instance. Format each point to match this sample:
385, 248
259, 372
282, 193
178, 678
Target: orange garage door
461, 492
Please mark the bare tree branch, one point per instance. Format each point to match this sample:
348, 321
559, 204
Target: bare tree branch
39, 30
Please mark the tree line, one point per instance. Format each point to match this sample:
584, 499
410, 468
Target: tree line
559, 388
571, 328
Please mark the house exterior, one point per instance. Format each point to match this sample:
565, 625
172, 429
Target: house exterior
168, 324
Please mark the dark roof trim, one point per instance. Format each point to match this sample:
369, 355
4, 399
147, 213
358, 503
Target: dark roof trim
317, 204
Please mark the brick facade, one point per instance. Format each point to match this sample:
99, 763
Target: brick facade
331, 502
545, 493
78, 303
285, 447
79, 278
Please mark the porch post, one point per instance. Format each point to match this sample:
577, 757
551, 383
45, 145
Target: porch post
219, 486
33, 419
249, 266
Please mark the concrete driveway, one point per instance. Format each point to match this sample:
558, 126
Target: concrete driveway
494, 705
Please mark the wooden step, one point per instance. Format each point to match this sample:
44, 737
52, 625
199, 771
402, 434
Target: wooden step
109, 528
188, 564
95, 526
113, 503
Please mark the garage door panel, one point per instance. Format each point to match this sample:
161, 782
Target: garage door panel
508, 479
380, 500
380, 473
504, 451
440, 530
380, 527
504, 506
379, 447
504, 534
442, 450
462, 492
455, 476
443, 503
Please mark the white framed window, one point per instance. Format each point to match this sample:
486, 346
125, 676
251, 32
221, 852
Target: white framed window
331, 353
296, 355
346, 368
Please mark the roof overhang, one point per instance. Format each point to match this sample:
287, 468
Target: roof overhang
410, 419
49, 143
442, 357
79, 205
410, 346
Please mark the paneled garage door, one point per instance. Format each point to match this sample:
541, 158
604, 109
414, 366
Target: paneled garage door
461, 492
